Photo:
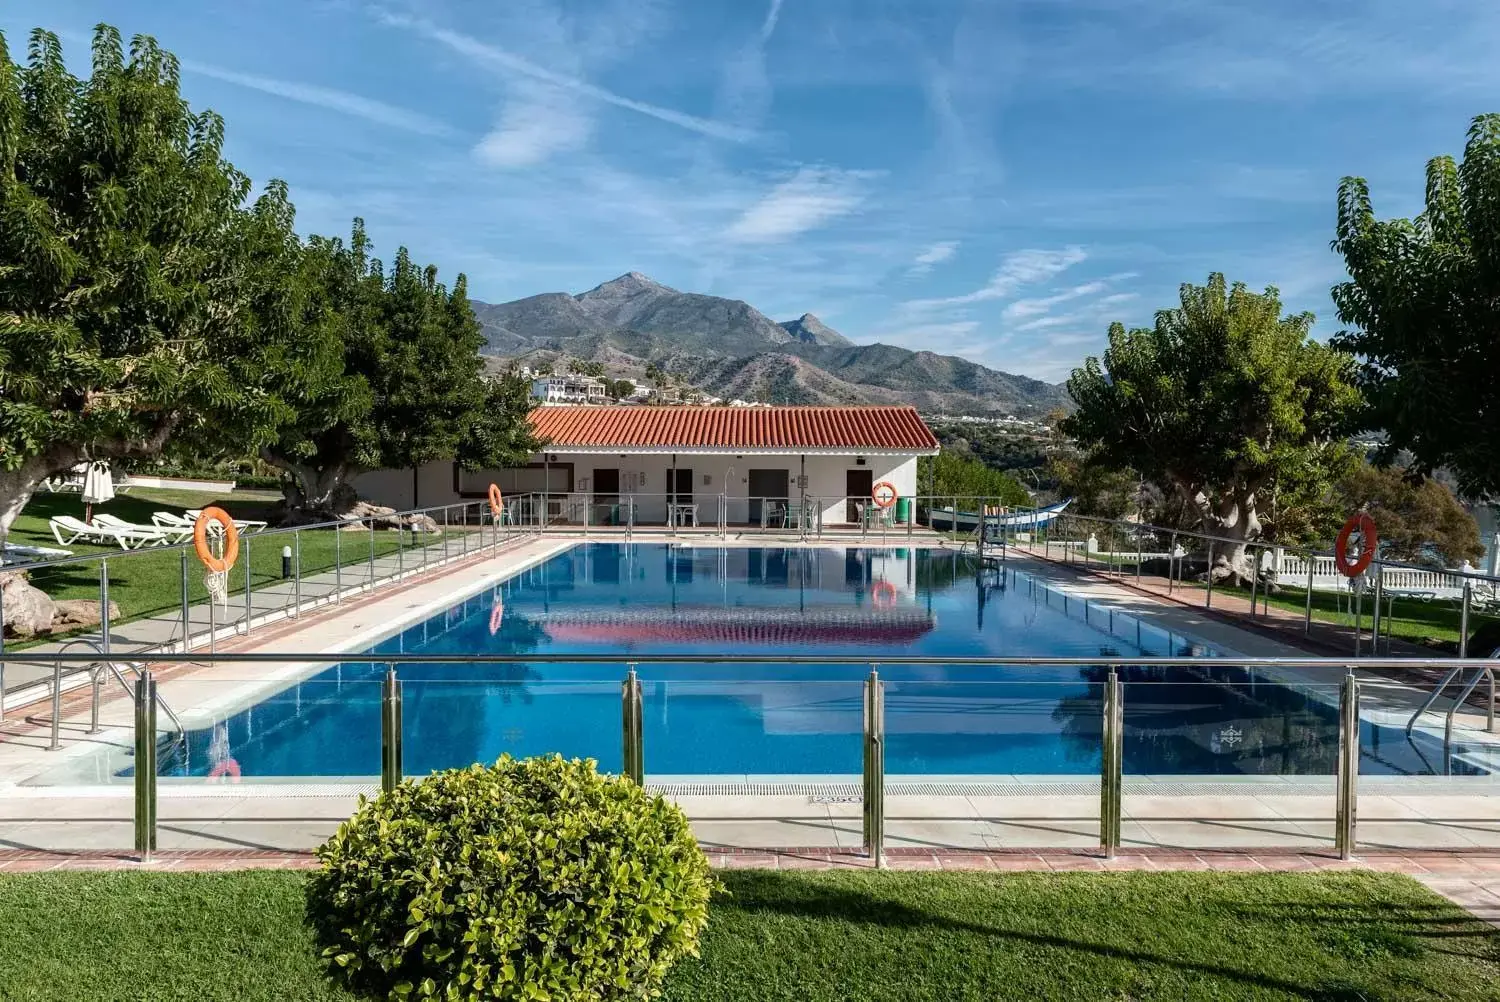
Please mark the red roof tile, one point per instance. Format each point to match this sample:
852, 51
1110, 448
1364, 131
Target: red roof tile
687, 429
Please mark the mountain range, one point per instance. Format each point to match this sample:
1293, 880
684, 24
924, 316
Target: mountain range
729, 349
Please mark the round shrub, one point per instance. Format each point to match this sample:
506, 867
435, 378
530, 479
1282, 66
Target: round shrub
529, 879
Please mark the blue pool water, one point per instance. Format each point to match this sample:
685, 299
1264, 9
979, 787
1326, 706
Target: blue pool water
776, 719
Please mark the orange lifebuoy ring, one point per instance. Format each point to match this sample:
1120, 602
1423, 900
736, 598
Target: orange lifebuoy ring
497, 616
496, 501
229, 767
883, 595
231, 540
1362, 523
884, 494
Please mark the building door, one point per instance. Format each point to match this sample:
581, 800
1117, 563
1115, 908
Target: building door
857, 487
767, 488
680, 486
606, 496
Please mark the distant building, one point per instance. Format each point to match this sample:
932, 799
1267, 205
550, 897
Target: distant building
568, 390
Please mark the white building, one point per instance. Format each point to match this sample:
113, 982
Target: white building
570, 389
755, 465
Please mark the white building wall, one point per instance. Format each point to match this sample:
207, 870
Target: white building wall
644, 476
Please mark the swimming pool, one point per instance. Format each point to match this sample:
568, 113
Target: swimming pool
777, 719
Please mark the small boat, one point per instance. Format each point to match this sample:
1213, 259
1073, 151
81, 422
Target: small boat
943, 520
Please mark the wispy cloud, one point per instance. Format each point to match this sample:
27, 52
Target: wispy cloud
768, 26
934, 255
535, 123
805, 201
326, 97
1023, 308
509, 63
1018, 270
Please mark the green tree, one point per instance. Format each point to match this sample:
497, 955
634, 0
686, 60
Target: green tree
621, 388
1219, 401
960, 476
120, 278
1416, 520
1423, 310
408, 388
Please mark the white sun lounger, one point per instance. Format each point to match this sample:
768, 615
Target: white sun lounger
175, 534
242, 524
15, 553
131, 538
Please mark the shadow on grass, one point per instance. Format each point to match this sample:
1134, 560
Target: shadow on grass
772, 893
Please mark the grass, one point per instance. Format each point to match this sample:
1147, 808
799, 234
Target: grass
820, 937
147, 582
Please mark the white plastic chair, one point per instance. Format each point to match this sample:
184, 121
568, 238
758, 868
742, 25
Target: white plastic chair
242, 524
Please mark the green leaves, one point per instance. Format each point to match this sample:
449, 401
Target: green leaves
537, 879
1224, 402
1423, 310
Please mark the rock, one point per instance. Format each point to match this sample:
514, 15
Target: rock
28, 611
81, 612
422, 523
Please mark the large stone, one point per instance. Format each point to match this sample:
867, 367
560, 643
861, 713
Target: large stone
28, 611
80, 612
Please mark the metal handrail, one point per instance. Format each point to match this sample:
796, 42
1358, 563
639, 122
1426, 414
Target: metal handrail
104, 660
1372, 665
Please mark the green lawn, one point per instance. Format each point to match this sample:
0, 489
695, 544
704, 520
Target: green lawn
820, 937
148, 581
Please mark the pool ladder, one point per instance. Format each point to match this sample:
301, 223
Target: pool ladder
96, 680
1457, 674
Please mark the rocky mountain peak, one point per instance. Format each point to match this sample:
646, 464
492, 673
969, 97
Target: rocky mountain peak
632, 283
808, 329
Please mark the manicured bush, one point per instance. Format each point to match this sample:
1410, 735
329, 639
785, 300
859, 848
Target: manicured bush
530, 879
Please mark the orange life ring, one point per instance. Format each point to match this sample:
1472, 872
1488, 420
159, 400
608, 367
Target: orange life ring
496, 501
497, 616
884, 494
231, 540
883, 595
229, 767
1365, 526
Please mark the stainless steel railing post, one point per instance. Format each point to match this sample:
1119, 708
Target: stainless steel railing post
1307, 614
1346, 808
633, 752
187, 622
145, 765
390, 731
874, 768
297, 573
1375, 615
1112, 762
445, 532
249, 580
338, 566
104, 604
1208, 596
1463, 622
56, 741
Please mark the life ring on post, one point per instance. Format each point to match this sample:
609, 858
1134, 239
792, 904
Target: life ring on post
226, 768
884, 494
497, 616
497, 503
1362, 523
218, 565
883, 595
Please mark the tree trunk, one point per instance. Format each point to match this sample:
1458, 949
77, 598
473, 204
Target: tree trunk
315, 493
17, 486
1232, 518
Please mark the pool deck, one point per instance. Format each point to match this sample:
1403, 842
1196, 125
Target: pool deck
1439, 828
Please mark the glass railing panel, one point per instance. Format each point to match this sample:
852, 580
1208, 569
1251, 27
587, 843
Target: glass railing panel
1433, 787
977, 764
1215, 757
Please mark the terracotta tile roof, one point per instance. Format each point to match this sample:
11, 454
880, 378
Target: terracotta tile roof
719, 429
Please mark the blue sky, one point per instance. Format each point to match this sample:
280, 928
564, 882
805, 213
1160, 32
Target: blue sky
997, 179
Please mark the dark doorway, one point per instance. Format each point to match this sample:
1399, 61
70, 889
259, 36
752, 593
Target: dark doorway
680, 486
767, 488
857, 487
606, 496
